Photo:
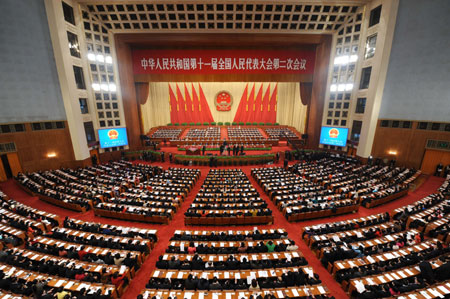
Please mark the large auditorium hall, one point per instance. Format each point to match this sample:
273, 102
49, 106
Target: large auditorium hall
198, 149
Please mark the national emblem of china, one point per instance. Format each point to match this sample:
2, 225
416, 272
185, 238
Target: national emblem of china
223, 101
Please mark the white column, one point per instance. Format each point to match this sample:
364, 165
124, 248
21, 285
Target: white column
64, 65
379, 63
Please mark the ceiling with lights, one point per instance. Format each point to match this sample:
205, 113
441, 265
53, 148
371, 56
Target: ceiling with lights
223, 16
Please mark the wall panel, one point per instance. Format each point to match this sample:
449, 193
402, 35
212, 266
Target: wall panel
432, 158
408, 143
33, 147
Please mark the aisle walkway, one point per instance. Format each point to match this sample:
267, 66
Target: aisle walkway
165, 232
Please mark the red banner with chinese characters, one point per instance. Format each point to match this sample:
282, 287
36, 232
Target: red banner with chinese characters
222, 62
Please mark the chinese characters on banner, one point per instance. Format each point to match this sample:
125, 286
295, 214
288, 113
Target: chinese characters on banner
222, 61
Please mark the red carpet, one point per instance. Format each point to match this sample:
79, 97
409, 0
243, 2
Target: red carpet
166, 231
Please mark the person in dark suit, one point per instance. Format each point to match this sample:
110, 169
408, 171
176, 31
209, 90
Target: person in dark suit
203, 150
439, 169
426, 271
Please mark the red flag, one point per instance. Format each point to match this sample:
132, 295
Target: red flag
173, 106
273, 105
248, 106
265, 105
197, 106
181, 106
205, 107
239, 116
190, 105
256, 111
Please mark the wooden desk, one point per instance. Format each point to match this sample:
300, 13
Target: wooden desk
294, 292
229, 274
249, 256
389, 276
56, 282
439, 290
90, 249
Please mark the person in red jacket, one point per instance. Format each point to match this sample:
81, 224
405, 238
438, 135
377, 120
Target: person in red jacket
82, 253
80, 275
116, 279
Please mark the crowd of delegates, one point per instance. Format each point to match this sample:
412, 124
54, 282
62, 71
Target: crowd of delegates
90, 184
247, 235
118, 186
48, 219
381, 255
228, 254
206, 133
91, 253
235, 132
280, 132
322, 181
38, 288
166, 134
227, 193
346, 225
111, 230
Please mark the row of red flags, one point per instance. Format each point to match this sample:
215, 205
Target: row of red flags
189, 108
193, 107
258, 108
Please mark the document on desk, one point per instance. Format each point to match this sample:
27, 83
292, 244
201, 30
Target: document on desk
381, 278
59, 283
280, 294
295, 293
444, 290
321, 289
188, 295
69, 285
156, 274
98, 269
435, 293
425, 294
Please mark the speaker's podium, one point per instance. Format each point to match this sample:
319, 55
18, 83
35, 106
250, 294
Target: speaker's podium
193, 150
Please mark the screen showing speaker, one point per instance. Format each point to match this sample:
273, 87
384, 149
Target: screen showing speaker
334, 136
113, 137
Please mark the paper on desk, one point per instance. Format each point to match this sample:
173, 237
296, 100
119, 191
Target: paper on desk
435, 293
69, 285
180, 275
395, 276
237, 275
409, 272
381, 278
443, 289
59, 283
201, 295
321, 289
296, 294
169, 274
156, 274
188, 295
280, 294
425, 294
370, 281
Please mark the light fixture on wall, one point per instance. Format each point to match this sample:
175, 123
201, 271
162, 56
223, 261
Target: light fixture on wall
392, 152
51, 155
